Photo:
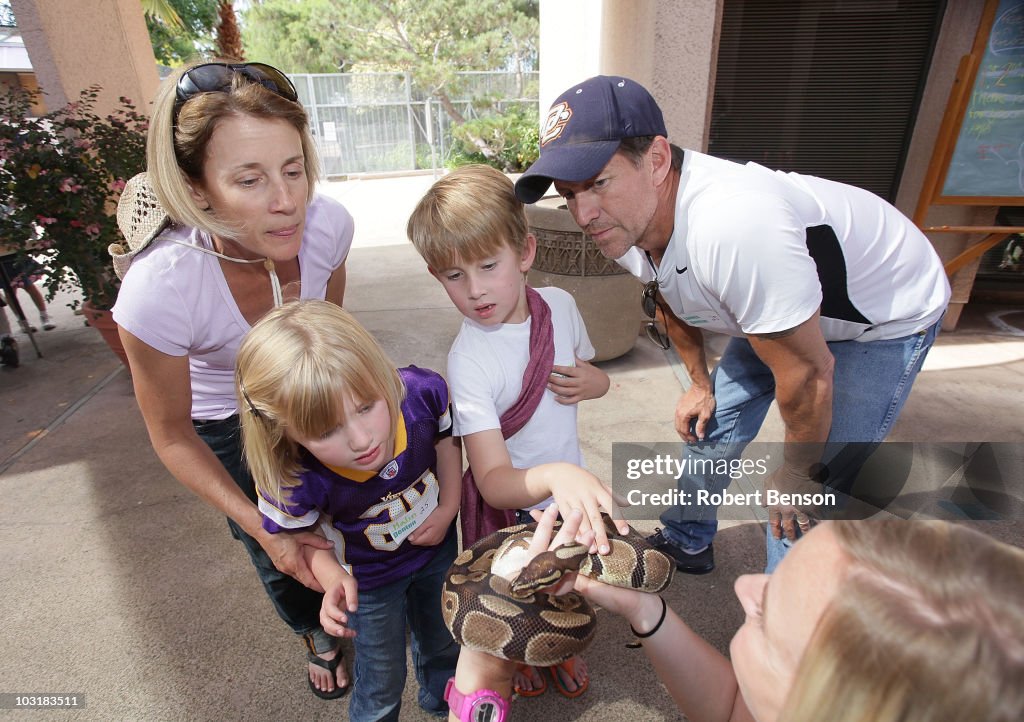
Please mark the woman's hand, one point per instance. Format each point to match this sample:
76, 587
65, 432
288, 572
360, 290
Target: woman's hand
286, 550
626, 602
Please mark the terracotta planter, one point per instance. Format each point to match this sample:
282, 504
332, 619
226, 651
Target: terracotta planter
607, 295
103, 321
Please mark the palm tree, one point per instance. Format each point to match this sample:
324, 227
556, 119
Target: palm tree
163, 11
229, 40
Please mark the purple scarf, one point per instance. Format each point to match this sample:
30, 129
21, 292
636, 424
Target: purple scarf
478, 517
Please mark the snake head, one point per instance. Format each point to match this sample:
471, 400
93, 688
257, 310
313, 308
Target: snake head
547, 569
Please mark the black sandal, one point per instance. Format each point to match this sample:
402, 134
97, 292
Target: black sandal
331, 665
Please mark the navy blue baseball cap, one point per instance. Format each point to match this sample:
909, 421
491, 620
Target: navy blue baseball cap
583, 130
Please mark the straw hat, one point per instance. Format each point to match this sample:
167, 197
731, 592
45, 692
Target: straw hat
141, 219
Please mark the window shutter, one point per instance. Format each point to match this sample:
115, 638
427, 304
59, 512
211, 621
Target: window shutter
823, 87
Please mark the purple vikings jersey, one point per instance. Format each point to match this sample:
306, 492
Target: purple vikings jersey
369, 515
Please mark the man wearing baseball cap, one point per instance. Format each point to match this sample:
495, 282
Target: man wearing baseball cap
831, 295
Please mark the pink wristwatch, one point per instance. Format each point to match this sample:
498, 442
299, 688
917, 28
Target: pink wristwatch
484, 705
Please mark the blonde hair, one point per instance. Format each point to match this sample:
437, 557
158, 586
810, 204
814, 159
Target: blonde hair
927, 624
293, 371
176, 152
469, 214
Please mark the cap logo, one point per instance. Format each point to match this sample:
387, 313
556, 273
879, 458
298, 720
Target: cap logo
553, 125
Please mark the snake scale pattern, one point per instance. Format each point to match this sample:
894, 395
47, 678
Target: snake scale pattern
512, 620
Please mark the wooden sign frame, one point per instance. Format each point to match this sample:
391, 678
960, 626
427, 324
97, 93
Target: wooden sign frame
960, 99
945, 146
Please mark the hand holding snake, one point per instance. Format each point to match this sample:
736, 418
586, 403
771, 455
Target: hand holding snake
625, 601
514, 619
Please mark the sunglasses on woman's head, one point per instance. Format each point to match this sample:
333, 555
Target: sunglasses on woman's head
217, 78
649, 304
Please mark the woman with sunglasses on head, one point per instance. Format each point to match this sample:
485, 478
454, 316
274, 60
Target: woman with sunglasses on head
231, 160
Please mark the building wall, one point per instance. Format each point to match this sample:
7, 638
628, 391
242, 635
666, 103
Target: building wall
74, 45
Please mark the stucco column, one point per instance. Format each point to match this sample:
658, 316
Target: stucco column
685, 58
73, 45
671, 47
628, 39
570, 46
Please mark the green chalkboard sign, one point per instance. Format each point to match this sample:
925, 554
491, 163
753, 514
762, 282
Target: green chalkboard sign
986, 165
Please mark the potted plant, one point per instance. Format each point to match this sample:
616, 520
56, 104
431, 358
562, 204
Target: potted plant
61, 176
608, 296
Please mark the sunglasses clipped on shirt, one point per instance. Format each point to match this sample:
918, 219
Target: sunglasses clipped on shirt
217, 78
649, 304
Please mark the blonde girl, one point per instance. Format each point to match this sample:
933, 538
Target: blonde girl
339, 440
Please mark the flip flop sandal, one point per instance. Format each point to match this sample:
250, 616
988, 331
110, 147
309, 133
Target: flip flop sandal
569, 666
331, 665
536, 691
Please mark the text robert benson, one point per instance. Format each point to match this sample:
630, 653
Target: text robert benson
705, 497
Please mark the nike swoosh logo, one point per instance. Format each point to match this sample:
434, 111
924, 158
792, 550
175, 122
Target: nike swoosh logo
682, 270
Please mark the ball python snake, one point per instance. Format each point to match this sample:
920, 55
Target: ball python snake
513, 620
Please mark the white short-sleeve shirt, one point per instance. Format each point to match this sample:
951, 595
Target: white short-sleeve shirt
756, 251
485, 373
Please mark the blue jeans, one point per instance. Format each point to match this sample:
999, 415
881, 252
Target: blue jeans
295, 603
380, 626
871, 382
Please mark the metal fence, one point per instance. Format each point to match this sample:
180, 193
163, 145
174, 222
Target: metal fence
376, 122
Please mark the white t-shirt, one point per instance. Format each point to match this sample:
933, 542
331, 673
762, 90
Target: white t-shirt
485, 374
758, 251
176, 299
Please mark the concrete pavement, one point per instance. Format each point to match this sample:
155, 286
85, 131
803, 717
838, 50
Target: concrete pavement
120, 585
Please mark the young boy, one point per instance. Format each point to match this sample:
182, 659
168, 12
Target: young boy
514, 401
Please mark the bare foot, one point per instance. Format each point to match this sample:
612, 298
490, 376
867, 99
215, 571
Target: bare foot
579, 676
527, 679
322, 679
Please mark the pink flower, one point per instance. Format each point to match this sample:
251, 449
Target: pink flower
45, 220
117, 185
68, 185
93, 229
75, 223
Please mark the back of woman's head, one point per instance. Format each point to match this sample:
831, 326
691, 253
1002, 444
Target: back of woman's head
927, 624
293, 372
176, 148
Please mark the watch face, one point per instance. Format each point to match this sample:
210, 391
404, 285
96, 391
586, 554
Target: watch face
485, 710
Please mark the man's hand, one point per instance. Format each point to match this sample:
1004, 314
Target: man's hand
285, 550
696, 405
792, 520
572, 384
